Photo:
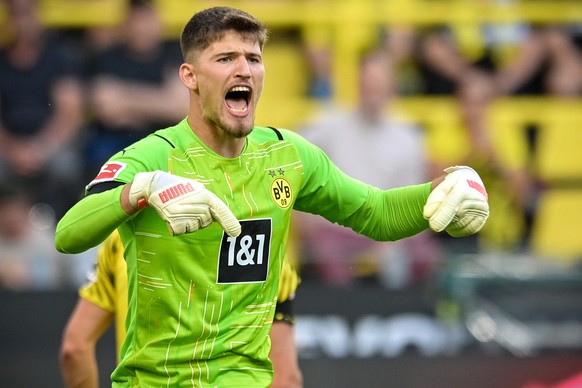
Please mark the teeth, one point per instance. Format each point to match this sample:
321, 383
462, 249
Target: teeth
240, 89
238, 110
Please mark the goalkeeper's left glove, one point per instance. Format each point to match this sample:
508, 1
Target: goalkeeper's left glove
458, 204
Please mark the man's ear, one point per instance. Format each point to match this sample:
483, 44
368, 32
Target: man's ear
188, 76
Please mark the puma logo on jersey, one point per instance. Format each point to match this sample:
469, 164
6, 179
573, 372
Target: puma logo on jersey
176, 191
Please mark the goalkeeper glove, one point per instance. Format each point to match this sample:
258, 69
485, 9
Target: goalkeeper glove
458, 204
185, 204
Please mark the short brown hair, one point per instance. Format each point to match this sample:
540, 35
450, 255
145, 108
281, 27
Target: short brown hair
209, 25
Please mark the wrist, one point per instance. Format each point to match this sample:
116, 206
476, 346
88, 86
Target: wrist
126, 205
139, 190
436, 182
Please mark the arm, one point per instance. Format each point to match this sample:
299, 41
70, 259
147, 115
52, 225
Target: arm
101, 299
456, 202
67, 118
95, 217
107, 204
168, 102
392, 214
528, 60
440, 53
382, 215
284, 356
77, 356
28, 155
115, 103
92, 219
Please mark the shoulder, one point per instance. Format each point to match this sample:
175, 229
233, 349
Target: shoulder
148, 154
275, 134
266, 134
161, 141
260, 133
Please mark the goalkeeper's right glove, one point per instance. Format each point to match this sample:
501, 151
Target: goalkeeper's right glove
458, 204
185, 204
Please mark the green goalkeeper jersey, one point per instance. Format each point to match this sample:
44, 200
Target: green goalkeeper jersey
201, 304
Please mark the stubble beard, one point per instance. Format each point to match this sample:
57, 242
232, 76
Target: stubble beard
231, 126
237, 130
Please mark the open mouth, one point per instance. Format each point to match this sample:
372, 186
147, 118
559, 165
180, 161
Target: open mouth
237, 99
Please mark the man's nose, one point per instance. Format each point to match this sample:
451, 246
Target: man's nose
243, 68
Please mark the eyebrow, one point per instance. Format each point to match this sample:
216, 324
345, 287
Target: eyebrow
235, 53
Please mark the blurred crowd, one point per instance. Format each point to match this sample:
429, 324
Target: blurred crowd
70, 99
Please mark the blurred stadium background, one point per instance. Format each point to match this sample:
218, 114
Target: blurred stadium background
487, 319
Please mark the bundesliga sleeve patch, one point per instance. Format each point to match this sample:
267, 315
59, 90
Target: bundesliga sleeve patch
108, 173
245, 259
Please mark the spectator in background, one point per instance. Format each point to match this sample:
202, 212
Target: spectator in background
477, 66
41, 110
564, 51
501, 153
514, 58
492, 62
316, 46
355, 140
28, 260
142, 64
549, 51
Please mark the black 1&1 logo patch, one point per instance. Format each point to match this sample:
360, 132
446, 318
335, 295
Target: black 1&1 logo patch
245, 259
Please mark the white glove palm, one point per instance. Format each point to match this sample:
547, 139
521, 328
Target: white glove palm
458, 204
185, 204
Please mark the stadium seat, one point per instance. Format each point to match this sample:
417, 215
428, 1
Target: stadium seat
559, 160
283, 102
556, 232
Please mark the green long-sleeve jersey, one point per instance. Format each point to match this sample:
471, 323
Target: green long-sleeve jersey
201, 304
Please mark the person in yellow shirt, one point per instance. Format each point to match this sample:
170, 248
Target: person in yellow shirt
104, 299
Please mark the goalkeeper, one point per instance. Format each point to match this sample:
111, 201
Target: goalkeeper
202, 294
104, 299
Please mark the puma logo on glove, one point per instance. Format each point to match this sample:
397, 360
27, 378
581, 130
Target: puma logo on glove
175, 191
185, 204
459, 204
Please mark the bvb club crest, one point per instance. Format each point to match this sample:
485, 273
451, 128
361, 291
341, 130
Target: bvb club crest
281, 192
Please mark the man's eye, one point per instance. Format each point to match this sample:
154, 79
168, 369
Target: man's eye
225, 59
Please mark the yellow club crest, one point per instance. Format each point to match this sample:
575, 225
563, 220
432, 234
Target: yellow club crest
281, 192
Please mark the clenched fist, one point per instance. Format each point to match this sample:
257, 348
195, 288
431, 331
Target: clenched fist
458, 204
